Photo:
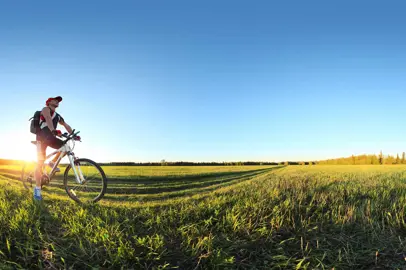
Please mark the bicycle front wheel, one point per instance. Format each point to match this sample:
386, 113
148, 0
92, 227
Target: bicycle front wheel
94, 181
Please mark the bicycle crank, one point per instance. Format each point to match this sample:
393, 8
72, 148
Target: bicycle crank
44, 180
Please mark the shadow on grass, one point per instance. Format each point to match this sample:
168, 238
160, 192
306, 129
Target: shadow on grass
27, 241
331, 246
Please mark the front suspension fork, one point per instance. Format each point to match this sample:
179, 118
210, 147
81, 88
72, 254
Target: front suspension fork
78, 172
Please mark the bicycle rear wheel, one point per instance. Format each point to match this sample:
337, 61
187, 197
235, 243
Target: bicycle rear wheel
27, 177
94, 185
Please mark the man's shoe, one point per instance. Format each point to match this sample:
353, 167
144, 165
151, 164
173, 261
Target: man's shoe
51, 164
37, 194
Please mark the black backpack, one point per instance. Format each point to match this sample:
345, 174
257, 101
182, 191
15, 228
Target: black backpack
34, 127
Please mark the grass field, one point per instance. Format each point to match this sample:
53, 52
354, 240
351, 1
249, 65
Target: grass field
243, 217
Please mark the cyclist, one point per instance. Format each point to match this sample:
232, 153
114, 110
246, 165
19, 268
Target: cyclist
46, 136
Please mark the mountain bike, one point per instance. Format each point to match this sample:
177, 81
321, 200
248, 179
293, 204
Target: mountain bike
84, 180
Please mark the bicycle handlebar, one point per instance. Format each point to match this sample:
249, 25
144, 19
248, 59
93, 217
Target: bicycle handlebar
69, 136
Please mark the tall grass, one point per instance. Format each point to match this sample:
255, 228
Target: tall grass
296, 217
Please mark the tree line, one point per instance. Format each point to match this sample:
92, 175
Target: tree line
162, 163
366, 160
10, 162
188, 163
352, 160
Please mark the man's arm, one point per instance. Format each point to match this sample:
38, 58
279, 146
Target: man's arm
46, 112
63, 123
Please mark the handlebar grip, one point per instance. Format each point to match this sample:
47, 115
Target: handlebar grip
70, 136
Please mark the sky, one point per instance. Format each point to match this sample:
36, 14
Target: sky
207, 80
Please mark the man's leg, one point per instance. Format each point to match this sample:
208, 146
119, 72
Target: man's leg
41, 154
56, 144
55, 159
38, 173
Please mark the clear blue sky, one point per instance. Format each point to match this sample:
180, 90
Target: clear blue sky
207, 80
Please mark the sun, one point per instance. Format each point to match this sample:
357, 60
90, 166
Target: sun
17, 146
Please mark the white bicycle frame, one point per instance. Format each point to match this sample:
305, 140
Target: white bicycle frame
66, 150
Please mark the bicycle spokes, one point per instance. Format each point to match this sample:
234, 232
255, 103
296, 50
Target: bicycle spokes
85, 181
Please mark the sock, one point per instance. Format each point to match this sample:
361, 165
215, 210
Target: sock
37, 190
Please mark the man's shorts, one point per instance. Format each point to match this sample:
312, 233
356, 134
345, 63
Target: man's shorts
44, 139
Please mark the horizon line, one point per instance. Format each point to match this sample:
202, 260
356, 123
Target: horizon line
233, 161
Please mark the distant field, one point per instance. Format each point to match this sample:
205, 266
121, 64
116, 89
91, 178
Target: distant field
152, 171
237, 217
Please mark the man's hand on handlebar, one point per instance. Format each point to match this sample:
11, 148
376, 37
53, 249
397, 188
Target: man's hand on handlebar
56, 132
72, 135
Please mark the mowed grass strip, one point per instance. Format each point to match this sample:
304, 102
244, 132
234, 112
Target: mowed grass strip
139, 172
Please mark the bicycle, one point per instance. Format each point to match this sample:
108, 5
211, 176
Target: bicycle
77, 186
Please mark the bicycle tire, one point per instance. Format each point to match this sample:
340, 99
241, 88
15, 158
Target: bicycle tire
103, 177
24, 177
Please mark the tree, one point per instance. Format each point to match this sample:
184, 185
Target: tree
381, 158
397, 159
390, 160
374, 160
403, 158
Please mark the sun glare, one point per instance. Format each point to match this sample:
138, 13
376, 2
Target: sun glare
17, 146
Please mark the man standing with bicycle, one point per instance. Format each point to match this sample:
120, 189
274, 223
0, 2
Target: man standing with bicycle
46, 136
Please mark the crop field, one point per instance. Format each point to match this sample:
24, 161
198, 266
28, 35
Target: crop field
226, 217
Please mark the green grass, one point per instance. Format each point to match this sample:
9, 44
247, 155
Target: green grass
295, 217
156, 171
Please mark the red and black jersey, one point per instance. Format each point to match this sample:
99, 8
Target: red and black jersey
56, 118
